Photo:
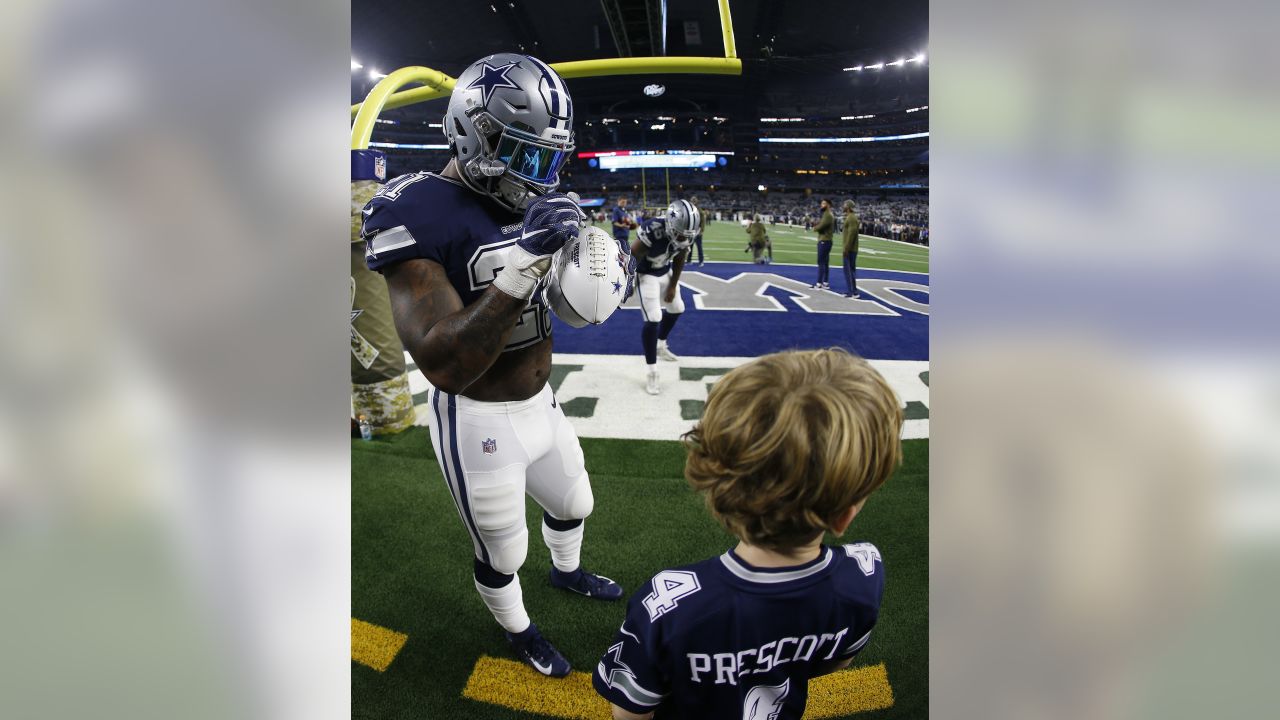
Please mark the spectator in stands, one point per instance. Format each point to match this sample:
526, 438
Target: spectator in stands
851, 228
826, 230
622, 222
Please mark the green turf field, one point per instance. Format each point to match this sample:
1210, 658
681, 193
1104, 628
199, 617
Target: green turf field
724, 242
411, 570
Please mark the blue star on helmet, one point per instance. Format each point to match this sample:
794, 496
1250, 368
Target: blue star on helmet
491, 78
617, 286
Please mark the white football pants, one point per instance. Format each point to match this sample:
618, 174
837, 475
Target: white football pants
492, 453
651, 288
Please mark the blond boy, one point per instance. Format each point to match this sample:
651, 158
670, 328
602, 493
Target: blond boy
789, 448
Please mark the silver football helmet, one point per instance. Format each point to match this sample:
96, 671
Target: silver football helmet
683, 220
510, 127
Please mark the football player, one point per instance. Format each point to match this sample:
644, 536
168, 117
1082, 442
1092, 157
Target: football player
463, 251
790, 447
661, 249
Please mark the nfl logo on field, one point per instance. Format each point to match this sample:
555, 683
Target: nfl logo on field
490, 446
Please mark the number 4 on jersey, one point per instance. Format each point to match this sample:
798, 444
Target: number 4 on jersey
668, 587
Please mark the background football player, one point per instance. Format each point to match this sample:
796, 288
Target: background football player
661, 249
462, 268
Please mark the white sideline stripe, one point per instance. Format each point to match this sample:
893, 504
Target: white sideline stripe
787, 264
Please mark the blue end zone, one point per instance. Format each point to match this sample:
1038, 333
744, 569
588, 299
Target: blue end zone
748, 333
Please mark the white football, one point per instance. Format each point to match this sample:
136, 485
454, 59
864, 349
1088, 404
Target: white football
588, 278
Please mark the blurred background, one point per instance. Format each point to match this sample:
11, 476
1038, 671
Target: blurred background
174, 528
832, 101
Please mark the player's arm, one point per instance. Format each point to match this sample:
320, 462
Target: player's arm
677, 264
639, 249
452, 345
624, 714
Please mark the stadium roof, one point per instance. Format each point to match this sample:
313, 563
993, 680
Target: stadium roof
794, 53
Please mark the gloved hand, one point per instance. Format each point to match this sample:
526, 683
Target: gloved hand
549, 222
630, 264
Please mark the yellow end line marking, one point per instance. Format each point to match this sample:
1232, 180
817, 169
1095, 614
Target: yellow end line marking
849, 691
374, 646
514, 685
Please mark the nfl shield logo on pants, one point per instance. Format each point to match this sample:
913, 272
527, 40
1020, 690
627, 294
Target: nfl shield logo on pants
490, 446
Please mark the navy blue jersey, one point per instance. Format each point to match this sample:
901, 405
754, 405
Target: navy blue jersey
620, 215
662, 247
424, 215
723, 639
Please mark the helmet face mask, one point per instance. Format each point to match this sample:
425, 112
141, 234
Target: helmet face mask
510, 128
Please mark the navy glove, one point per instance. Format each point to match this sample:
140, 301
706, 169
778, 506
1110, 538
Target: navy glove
629, 263
550, 221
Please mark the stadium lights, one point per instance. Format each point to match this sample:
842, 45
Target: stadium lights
719, 119
858, 117
918, 109
658, 126
900, 62
882, 138
434, 125
374, 74
665, 118
355, 65
761, 188
773, 119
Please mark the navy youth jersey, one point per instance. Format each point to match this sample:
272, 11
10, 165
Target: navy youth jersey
723, 639
662, 247
424, 215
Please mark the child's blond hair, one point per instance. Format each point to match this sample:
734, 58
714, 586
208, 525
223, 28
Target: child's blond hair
790, 441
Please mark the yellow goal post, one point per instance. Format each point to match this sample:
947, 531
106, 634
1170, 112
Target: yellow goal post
388, 95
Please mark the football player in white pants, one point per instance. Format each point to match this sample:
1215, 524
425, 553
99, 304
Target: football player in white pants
463, 252
661, 249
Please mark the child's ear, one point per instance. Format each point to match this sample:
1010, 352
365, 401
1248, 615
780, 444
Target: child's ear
841, 522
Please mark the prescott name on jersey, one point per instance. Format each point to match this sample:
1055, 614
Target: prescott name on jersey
662, 248
722, 638
425, 215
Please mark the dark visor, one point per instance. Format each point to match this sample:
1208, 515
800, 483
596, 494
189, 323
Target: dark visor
530, 158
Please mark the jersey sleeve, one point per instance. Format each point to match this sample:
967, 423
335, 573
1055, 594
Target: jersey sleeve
645, 233
388, 238
866, 571
629, 674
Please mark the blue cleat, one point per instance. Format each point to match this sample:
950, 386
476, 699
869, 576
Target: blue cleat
585, 583
536, 650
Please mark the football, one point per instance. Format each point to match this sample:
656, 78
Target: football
588, 278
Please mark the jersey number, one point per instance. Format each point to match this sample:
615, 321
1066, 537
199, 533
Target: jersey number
668, 587
866, 554
764, 702
535, 323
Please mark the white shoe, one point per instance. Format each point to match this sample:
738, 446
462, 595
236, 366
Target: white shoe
665, 353
651, 386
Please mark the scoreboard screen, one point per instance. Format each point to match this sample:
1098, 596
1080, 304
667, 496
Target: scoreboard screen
633, 159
